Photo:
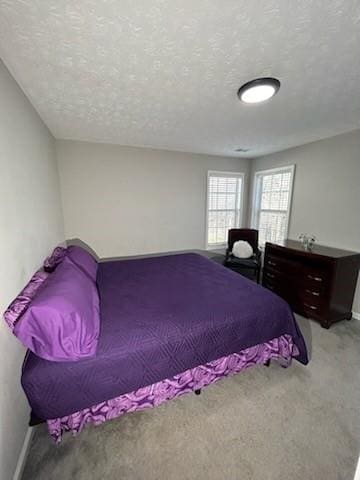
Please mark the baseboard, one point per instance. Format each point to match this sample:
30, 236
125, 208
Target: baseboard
357, 473
23, 454
356, 315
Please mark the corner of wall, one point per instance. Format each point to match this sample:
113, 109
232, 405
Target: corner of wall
61, 202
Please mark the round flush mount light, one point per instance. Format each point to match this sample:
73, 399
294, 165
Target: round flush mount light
259, 90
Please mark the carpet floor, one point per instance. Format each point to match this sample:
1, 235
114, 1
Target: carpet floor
265, 423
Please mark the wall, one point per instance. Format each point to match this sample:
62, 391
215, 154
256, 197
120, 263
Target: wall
30, 226
127, 201
326, 195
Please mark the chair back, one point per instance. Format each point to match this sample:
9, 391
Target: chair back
246, 234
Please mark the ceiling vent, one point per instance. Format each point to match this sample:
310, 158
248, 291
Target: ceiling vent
242, 150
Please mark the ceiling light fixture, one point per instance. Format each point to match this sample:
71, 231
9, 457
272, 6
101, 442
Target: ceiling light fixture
259, 90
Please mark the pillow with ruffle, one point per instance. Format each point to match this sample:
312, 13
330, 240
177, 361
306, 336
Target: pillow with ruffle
53, 260
19, 305
242, 249
84, 260
63, 321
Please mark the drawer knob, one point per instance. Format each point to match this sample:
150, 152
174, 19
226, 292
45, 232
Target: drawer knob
316, 294
313, 277
312, 307
271, 263
270, 275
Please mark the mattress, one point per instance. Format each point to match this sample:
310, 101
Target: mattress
160, 316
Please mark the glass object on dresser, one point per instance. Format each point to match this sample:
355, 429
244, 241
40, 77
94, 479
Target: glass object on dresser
307, 240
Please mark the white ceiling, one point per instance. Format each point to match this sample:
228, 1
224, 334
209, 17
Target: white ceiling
165, 73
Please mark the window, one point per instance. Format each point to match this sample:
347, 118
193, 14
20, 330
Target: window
224, 199
272, 202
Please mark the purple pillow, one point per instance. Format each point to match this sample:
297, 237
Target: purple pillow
18, 306
84, 260
62, 323
53, 260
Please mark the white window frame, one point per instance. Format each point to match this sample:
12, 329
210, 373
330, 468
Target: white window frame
239, 222
255, 209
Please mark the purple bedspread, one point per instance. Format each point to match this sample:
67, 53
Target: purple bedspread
281, 349
159, 317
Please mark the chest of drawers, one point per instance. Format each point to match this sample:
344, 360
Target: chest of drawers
318, 284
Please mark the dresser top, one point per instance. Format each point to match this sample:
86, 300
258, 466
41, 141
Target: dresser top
316, 249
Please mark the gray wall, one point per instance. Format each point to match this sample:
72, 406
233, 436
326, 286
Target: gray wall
127, 201
30, 226
326, 195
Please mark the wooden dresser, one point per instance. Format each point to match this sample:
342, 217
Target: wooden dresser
318, 284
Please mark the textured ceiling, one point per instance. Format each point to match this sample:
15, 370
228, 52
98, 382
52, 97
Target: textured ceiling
165, 73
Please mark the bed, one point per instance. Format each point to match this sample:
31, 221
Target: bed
169, 325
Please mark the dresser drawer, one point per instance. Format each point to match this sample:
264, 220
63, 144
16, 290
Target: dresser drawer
270, 285
276, 288
312, 297
287, 276
272, 262
315, 282
273, 276
281, 265
280, 285
317, 278
312, 310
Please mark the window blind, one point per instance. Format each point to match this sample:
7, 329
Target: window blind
224, 205
272, 204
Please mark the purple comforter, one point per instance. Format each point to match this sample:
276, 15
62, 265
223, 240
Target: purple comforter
159, 317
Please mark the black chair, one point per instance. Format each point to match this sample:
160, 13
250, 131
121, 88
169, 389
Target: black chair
242, 265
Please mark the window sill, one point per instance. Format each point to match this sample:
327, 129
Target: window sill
218, 248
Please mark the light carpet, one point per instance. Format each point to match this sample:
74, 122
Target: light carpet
265, 423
